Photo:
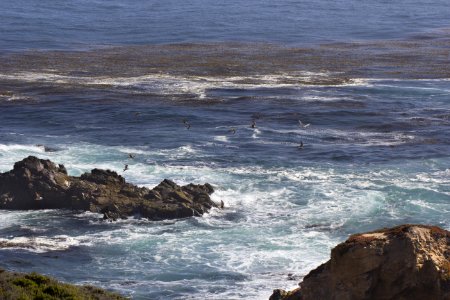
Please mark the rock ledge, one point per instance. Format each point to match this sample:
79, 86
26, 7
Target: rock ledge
404, 262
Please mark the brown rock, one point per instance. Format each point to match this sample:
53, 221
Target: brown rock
41, 184
405, 262
285, 295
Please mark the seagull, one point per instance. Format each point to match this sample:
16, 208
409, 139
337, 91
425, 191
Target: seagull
186, 123
301, 145
232, 130
132, 156
300, 123
125, 168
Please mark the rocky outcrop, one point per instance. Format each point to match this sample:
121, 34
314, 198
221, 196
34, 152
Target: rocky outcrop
41, 184
405, 262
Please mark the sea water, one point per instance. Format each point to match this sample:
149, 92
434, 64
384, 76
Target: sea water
96, 81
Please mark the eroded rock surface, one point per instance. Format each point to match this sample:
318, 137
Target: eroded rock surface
405, 262
41, 184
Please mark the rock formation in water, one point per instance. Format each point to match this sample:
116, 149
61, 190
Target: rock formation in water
41, 184
35, 286
405, 262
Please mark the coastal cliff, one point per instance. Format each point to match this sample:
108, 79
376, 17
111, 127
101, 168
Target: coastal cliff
404, 262
41, 184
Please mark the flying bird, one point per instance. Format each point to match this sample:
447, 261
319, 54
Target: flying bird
132, 156
186, 123
301, 124
125, 168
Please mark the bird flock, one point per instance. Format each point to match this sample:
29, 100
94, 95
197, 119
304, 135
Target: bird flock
232, 130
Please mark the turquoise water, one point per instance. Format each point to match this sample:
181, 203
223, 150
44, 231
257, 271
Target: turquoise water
373, 87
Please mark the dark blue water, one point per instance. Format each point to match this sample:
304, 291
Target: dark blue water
370, 78
27, 24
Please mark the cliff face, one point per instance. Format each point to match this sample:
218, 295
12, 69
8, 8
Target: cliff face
405, 262
41, 184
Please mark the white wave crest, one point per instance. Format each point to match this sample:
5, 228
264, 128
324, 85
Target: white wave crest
196, 85
40, 244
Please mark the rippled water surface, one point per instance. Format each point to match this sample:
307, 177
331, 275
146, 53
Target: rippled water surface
27, 24
95, 81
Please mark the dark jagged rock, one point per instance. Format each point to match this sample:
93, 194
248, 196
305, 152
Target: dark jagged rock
405, 262
41, 184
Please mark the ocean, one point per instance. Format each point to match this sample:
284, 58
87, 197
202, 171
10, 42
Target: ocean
94, 81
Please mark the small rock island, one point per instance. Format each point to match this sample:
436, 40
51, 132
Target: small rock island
36, 183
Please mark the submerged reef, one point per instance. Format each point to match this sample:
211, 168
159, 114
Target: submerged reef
35, 286
41, 184
404, 262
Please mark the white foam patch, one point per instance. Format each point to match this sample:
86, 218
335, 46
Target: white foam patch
423, 204
256, 132
41, 244
135, 150
169, 84
362, 138
314, 98
440, 176
221, 138
10, 96
4, 148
